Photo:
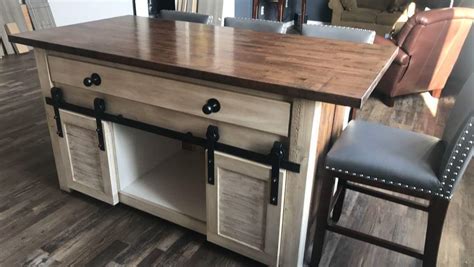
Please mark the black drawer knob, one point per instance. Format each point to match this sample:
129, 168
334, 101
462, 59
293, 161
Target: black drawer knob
93, 80
212, 106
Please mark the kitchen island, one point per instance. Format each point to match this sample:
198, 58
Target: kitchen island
219, 130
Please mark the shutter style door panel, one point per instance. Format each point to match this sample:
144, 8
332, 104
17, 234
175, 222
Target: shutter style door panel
89, 170
240, 216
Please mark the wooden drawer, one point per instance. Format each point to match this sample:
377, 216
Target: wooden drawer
88, 169
231, 134
253, 112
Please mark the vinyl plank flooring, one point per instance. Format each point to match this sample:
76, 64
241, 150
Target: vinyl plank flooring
108, 254
14, 249
151, 258
43, 226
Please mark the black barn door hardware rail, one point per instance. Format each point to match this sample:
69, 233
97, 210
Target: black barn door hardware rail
99, 109
277, 158
212, 136
56, 102
277, 155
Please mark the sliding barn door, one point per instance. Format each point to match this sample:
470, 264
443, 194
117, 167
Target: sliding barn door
88, 169
240, 216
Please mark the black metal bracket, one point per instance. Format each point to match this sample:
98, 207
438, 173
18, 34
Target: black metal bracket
186, 137
99, 109
212, 136
276, 156
57, 97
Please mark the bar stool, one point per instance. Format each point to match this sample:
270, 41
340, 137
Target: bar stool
258, 25
339, 33
401, 161
185, 16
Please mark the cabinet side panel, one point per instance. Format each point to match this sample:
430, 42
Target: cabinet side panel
46, 84
305, 127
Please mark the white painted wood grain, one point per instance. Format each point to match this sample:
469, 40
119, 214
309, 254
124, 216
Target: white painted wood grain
253, 112
240, 216
176, 183
88, 169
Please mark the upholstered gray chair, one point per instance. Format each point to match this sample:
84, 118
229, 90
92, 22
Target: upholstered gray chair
258, 25
402, 161
185, 16
339, 33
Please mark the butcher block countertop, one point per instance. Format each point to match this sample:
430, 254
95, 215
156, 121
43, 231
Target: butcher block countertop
324, 70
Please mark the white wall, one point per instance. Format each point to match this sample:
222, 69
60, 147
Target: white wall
68, 12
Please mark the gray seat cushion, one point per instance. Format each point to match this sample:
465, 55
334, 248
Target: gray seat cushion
387, 155
258, 25
339, 33
185, 16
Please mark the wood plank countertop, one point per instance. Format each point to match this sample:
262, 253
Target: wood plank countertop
331, 71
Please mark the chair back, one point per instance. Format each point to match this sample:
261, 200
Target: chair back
258, 25
432, 40
339, 33
185, 16
458, 137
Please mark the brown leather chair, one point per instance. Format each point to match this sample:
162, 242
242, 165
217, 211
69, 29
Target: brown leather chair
430, 43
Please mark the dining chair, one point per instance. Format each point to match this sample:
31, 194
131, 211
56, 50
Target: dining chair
369, 156
339, 33
258, 25
185, 16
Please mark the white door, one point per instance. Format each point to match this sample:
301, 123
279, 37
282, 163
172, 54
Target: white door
239, 214
88, 169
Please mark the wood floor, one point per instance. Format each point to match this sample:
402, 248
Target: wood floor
42, 226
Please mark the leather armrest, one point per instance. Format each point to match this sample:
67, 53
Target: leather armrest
402, 57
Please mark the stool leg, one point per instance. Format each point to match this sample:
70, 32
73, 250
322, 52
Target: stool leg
434, 230
255, 6
353, 114
336, 212
324, 202
281, 5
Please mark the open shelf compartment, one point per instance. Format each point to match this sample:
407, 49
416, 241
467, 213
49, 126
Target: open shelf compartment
161, 176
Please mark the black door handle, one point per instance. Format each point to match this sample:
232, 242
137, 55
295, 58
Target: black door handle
93, 80
212, 106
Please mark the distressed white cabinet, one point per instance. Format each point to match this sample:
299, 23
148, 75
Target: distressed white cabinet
239, 214
87, 168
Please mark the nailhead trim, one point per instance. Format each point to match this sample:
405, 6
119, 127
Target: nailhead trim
448, 178
457, 159
263, 20
382, 180
337, 27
